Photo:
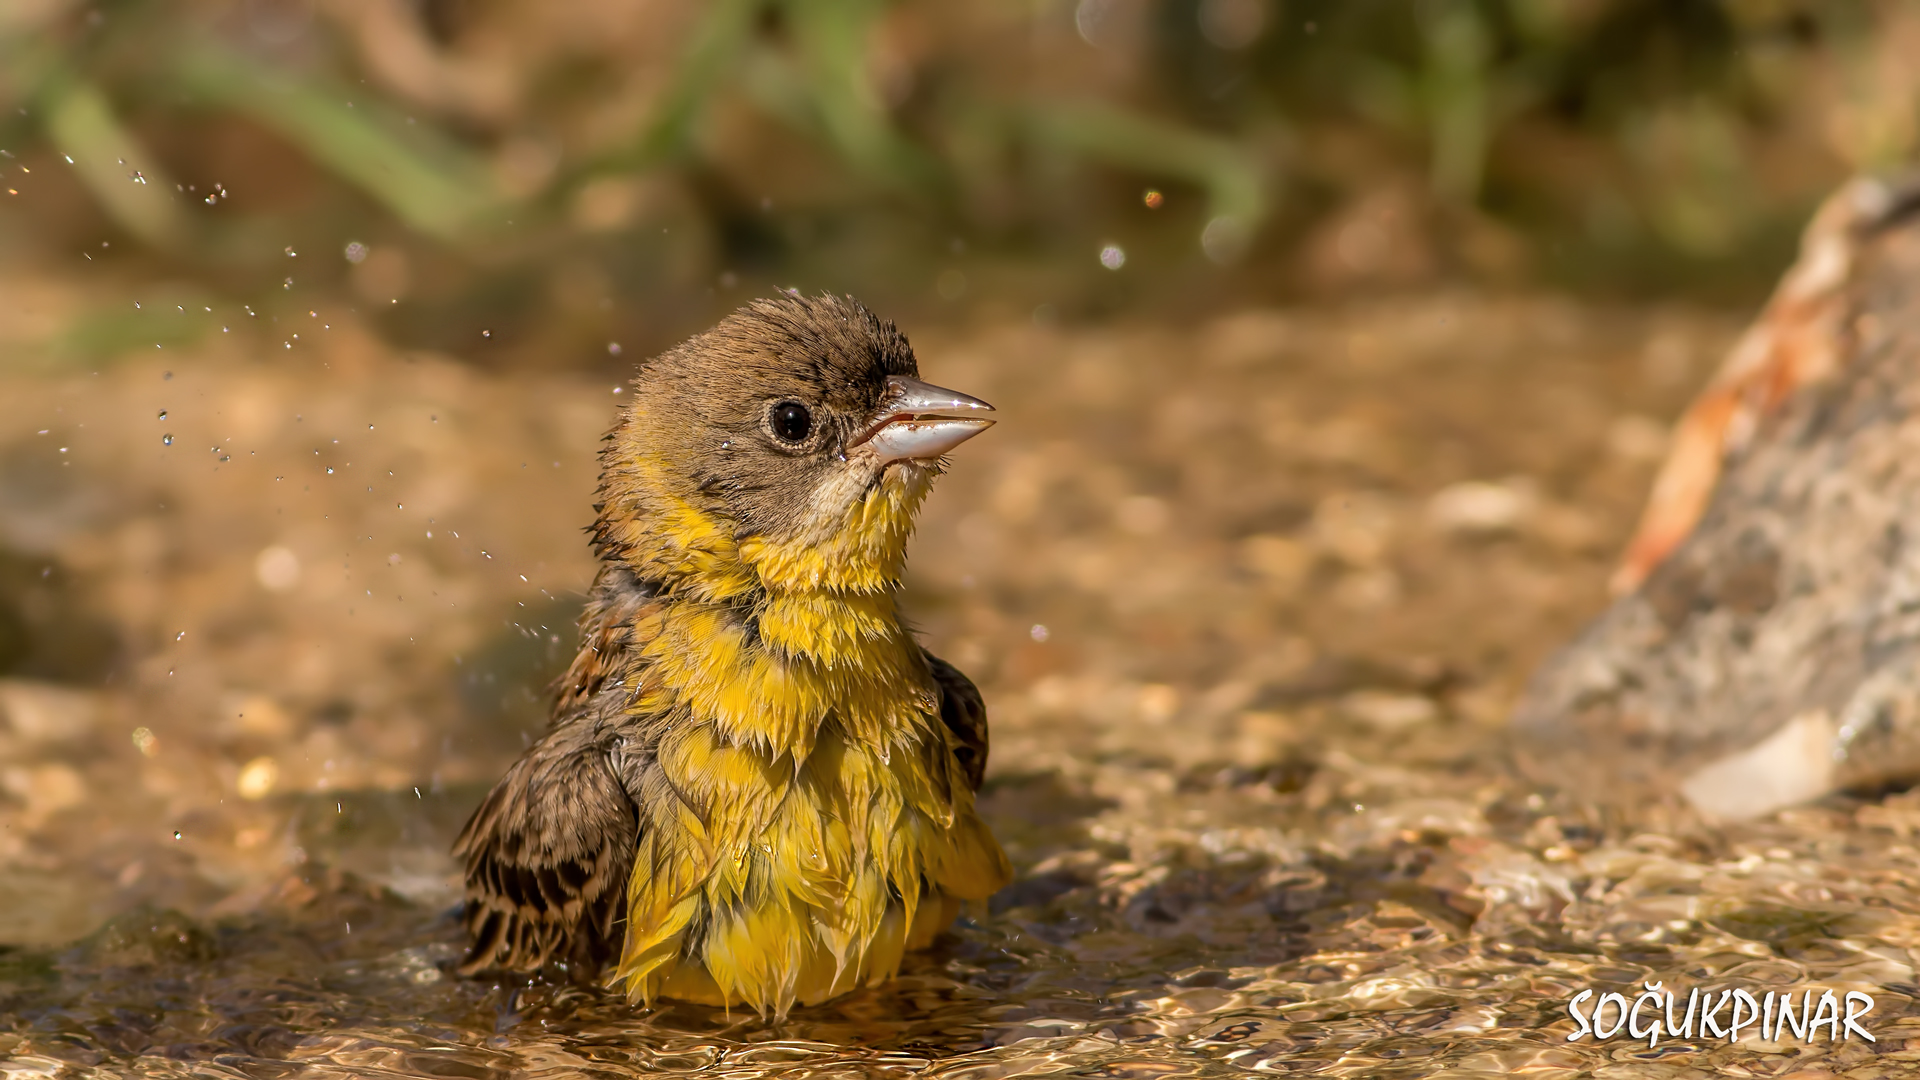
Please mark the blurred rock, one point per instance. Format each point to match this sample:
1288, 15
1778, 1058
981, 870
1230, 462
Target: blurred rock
147, 936
1142, 515
1283, 561
1569, 528
1637, 438
1792, 765
45, 789
1478, 507
1355, 527
44, 713
262, 717
1249, 337
1774, 654
1371, 589
1389, 712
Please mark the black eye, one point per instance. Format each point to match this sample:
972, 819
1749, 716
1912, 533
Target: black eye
791, 422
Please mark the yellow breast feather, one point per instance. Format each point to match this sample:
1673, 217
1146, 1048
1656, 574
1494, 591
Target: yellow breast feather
809, 829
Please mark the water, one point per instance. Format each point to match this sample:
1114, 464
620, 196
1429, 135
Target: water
1252, 772
1419, 945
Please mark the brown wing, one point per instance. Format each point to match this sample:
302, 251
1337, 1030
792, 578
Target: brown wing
548, 852
547, 857
965, 714
609, 628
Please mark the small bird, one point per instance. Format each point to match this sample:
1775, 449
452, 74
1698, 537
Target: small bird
757, 788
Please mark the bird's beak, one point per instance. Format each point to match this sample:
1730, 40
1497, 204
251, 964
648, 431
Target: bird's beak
917, 421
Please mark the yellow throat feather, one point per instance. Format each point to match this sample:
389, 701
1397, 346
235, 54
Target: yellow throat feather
809, 824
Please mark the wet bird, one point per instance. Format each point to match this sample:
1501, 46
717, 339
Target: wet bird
757, 788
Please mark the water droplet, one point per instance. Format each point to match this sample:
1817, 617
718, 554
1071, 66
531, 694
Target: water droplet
176, 834
1224, 239
163, 414
166, 440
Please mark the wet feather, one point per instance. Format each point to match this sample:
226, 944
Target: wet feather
758, 788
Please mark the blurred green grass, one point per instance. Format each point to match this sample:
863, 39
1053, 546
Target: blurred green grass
568, 174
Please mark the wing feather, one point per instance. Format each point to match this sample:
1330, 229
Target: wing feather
965, 714
547, 856
549, 850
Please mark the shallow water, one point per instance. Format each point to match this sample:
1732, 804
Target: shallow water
1248, 602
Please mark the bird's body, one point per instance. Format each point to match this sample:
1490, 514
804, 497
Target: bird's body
757, 788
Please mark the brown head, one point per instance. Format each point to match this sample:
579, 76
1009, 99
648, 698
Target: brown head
793, 441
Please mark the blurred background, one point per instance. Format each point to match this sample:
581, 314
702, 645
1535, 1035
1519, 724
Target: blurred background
1336, 344
563, 175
